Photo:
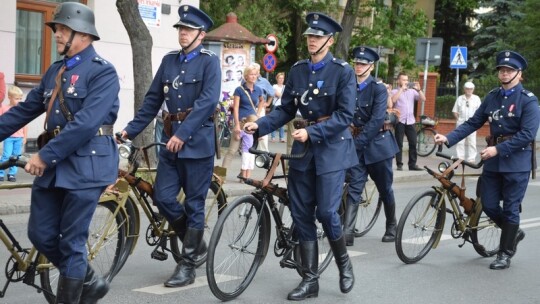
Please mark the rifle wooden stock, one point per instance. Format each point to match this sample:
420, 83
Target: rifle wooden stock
465, 202
140, 184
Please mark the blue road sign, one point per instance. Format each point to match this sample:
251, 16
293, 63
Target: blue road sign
458, 57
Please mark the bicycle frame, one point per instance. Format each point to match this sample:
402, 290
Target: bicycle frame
19, 261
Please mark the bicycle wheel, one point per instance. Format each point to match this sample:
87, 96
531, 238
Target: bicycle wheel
485, 235
104, 256
425, 142
368, 212
49, 276
419, 226
216, 201
236, 247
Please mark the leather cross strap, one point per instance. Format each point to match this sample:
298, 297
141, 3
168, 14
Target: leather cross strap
57, 87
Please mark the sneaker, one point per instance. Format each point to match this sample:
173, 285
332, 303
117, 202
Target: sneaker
282, 140
12, 178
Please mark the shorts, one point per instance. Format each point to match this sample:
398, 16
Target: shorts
248, 161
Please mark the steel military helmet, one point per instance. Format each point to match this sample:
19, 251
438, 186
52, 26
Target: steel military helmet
76, 16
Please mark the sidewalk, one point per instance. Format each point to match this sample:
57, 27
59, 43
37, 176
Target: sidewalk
16, 201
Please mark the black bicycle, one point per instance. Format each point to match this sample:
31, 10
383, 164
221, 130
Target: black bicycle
241, 238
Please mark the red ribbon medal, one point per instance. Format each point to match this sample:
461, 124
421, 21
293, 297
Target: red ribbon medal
71, 88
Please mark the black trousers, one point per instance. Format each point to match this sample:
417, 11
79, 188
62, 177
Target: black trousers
410, 132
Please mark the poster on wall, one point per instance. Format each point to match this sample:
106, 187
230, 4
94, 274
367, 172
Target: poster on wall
235, 57
150, 11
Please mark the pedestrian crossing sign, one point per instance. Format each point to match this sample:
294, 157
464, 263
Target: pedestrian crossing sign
458, 57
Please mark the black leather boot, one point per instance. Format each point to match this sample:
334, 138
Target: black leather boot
520, 235
68, 291
346, 276
350, 222
184, 273
309, 287
506, 247
95, 287
179, 226
390, 233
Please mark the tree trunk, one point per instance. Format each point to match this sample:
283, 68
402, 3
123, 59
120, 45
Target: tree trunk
141, 47
391, 58
348, 21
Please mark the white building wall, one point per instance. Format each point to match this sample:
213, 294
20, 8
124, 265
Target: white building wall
114, 46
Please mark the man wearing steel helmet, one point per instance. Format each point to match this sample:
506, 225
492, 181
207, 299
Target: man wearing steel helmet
322, 89
375, 145
513, 117
80, 96
189, 82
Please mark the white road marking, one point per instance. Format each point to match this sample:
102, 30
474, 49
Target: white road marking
160, 289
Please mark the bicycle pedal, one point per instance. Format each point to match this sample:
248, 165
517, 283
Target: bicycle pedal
286, 263
159, 255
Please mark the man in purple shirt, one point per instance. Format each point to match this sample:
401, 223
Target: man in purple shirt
403, 99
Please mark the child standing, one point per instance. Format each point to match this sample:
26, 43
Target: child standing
12, 145
248, 159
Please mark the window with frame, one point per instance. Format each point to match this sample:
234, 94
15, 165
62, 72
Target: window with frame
35, 45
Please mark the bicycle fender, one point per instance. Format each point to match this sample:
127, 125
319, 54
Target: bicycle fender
443, 219
266, 232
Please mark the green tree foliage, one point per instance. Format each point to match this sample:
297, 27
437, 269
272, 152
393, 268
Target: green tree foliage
524, 39
452, 23
494, 33
395, 27
285, 18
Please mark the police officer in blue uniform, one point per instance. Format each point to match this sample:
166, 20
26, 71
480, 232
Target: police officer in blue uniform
322, 89
189, 82
513, 116
375, 145
81, 157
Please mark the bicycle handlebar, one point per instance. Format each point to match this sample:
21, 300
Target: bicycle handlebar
454, 158
130, 143
13, 161
253, 150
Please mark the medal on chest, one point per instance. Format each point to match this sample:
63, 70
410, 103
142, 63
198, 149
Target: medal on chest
72, 82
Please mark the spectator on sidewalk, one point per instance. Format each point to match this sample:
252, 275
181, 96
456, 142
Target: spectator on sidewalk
404, 98
248, 159
464, 109
278, 91
2, 87
13, 145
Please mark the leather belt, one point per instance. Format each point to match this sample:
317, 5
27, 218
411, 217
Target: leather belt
180, 116
104, 130
303, 123
355, 131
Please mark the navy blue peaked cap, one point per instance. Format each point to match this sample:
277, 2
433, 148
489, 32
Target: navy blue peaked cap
321, 25
193, 17
364, 54
512, 60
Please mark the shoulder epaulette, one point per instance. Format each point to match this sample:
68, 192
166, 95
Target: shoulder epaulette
301, 62
494, 90
175, 52
527, 92
208, 52
100, 60
340, 61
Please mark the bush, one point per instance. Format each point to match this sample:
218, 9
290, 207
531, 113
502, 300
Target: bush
444, 105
